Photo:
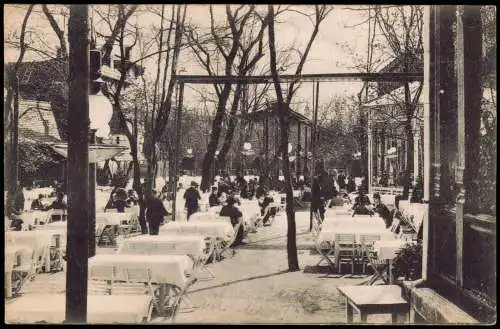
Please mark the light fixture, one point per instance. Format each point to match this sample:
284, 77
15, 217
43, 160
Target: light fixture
100, 113
247, 146
189, 151
290, 147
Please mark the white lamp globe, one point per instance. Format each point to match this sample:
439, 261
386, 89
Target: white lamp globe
290, 147
100, 113
190, 151
247, 146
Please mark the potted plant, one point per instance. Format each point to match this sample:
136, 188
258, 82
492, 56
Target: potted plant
408, 262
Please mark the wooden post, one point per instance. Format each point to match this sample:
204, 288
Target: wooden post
177, 147
92, 210
459, 171
313, 148
299, 148
78, 166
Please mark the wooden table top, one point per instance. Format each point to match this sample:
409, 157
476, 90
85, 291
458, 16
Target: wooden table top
373, 295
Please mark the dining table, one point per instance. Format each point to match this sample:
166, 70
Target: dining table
17, 257
39, 241
191, 245
216, 229
171, 274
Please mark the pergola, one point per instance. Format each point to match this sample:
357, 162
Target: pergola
181, 80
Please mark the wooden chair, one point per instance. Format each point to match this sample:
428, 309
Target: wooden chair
367, 242
345, 250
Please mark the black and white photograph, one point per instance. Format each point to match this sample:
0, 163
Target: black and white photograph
215, 164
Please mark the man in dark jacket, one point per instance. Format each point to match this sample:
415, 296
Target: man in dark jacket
154, 213
318, 201
231, 211
213, 200
382, 210
192, 195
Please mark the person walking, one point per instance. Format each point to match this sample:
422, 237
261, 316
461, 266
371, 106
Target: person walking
231, 211
192, 195
154, 213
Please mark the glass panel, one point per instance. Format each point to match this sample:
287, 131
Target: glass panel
480, 262
445, 246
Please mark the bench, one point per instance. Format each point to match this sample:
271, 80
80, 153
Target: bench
374, 300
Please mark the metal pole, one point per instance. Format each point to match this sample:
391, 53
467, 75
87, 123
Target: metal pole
78, 166
92, 210
177, 146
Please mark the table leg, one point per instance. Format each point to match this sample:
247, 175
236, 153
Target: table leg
363, 316
349, 312
8, 284
161, 299
391, 277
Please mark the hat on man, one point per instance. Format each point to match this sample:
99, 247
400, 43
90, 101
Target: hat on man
193, 183
231, 201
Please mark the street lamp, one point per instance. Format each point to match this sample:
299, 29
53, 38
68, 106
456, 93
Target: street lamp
100, 113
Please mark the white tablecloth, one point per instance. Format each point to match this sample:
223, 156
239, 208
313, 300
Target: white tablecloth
100, 308
374, 222
386, 249
164, 245
328, 233
164, 269
115, 218
29, 217
211, 229
36, 240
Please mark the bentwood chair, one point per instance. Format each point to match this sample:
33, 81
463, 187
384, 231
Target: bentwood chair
367, 242
345, 250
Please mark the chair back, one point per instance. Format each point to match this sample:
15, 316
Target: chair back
369, 239
396, 222
346, 240
101, 280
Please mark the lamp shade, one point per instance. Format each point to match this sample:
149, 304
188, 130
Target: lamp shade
100, 113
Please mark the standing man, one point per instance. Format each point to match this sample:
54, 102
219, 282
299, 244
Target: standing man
154, 213
192, 195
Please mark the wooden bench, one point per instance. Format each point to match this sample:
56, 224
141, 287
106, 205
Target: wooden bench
374, 300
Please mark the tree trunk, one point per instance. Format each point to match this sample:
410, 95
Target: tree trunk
291, 245
221, 158
206, 180
293, 262
409, 137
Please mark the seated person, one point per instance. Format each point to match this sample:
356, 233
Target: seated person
382, 210
213, 201
266, 200
60, 204
307, 194
132, 198
361, 205
17, 223
37, 203
229, 210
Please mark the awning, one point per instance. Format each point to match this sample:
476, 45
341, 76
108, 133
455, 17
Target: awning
97, 153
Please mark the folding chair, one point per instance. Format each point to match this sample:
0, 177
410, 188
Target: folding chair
367, 242
379, 267
182, 296
201, 264
101, 280
345, 250
223, 246
23, 271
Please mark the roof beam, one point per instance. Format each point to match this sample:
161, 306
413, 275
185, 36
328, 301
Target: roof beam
326, 77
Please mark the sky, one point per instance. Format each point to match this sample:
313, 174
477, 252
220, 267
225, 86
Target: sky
328, 54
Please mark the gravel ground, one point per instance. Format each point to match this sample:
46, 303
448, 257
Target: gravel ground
254, 285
